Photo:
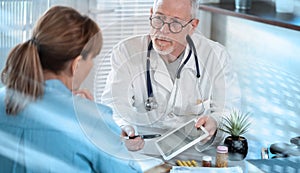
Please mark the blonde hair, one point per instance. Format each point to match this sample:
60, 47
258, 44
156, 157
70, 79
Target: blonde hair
59, 36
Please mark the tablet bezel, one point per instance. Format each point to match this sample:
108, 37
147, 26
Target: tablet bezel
205, 134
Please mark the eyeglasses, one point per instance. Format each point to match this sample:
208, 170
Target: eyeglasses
174, 26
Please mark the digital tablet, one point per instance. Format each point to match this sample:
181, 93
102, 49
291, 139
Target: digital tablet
180, 139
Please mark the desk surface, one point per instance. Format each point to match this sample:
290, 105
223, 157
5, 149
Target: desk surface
246, 166
192, 154
250, 164
289, 164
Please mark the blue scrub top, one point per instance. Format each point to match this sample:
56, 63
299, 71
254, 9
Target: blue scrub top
62, 133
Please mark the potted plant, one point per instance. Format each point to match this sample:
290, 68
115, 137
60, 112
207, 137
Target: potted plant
236, 124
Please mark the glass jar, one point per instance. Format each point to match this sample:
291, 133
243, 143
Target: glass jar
222, 157
206, 161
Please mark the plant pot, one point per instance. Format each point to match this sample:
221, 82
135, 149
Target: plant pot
237, 147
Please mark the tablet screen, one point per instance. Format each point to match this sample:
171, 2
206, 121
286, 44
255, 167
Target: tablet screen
180, 139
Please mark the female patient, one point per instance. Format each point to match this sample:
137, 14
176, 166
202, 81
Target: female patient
43, 126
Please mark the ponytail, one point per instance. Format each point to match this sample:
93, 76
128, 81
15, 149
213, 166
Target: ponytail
23, 77
51, 49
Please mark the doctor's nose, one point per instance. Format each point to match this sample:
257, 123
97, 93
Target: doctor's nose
165, 29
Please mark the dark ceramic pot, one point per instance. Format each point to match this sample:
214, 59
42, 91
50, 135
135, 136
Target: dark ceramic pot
237, 147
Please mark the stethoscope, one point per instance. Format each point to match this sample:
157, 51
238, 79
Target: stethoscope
150, 103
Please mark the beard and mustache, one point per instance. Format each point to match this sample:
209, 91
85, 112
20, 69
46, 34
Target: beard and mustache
161, 48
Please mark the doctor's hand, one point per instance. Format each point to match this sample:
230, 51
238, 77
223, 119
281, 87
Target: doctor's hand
209, 124
132, 144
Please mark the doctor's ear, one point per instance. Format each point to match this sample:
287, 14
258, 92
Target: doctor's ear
194, 23
74, 64
151, 11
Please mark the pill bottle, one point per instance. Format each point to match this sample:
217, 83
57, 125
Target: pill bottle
206, 161
222, 157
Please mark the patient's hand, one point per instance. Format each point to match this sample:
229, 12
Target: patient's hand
85, 93
209, 124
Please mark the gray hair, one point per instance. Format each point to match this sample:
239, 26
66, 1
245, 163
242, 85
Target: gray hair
194, 7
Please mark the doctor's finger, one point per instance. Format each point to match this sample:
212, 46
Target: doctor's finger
127, 130
206, 139
135, 144
201, 121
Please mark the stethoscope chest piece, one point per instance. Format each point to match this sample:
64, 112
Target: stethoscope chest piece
150, 104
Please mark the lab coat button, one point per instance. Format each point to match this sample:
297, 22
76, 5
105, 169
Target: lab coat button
170, 115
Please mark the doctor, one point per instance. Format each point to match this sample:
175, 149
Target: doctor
161, 80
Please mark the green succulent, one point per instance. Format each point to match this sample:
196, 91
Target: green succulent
236, 124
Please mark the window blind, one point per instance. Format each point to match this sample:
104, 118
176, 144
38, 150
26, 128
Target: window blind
16, 21
17, 18
118, 20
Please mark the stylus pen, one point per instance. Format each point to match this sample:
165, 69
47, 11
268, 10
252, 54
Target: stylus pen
143, 136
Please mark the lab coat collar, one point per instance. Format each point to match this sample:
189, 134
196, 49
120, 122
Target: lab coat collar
161, 74
191, 62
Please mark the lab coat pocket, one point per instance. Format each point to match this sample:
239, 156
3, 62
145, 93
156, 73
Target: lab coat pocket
199, 108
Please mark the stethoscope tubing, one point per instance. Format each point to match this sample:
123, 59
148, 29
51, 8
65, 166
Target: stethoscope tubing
148, 64
149, 87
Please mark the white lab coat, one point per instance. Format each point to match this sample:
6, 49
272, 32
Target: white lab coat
178, 101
